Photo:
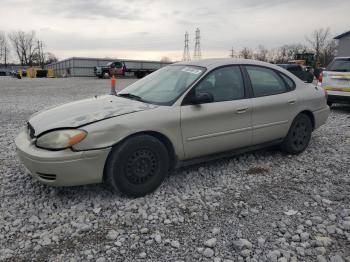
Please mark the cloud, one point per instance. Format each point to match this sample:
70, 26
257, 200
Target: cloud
95, 27
90, 9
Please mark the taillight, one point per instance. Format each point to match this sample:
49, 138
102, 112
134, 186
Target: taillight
320, 78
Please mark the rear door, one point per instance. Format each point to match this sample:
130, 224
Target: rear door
274, 103
222, 125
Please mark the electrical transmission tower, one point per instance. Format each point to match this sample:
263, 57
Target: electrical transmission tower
232, 53
186, 56
197, 47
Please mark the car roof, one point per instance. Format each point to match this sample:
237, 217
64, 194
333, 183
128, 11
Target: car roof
289, 65
211, 63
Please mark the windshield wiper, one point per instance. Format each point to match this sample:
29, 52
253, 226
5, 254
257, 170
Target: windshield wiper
130, 96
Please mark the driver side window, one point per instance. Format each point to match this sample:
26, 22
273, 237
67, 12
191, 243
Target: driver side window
224, 84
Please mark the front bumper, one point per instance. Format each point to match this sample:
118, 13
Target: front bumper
61, 168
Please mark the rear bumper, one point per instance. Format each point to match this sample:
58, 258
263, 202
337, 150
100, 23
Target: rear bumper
61, 168
321, 116
338, 97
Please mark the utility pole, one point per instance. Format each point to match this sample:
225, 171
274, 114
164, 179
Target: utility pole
5, 58
42, 55
186, 55
197, 47
232, 53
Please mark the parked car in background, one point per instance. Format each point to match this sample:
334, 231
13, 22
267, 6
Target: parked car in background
300, 71
18, 73
336, 80
124, 67
182, 114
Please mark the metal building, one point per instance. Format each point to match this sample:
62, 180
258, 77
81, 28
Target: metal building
83, 66
77, 66
343, 48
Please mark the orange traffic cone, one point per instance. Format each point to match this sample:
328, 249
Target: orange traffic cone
113, 85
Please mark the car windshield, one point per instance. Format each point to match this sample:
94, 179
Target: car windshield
164, 86
340, 65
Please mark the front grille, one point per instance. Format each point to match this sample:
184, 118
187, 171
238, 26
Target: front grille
50, 177
31, 130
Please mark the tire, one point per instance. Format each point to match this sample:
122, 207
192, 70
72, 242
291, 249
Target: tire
137, 166
329, 103
106, 74
298, 136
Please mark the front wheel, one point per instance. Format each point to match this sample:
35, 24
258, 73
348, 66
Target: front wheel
138, 166
298, 136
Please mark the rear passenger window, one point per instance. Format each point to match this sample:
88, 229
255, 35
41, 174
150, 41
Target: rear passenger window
224, 84
289, 81
265, 81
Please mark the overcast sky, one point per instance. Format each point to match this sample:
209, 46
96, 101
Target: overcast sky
151, 29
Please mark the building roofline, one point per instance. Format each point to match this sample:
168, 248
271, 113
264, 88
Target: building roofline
342, 35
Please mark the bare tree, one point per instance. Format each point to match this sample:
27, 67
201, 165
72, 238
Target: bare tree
288, 52
328, 52
4, 49
261, 53
246, 53
24, 45
165, 59
50, 58
39, 55
318, 41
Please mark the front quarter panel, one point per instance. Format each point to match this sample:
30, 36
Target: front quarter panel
106, 133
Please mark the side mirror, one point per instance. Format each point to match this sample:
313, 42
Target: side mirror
201, 98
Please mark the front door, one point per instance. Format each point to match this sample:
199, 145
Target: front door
222, 125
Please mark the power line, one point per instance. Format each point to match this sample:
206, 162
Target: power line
186, 56
197, 47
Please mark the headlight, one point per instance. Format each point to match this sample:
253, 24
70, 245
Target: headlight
61, 139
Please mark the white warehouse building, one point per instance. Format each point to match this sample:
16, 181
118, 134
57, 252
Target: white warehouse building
77, 66
83, 66
343, 48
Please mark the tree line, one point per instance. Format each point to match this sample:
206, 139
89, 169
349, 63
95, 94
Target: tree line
26, 47
319, 42
29, 50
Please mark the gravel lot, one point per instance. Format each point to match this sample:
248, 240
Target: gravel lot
261, 206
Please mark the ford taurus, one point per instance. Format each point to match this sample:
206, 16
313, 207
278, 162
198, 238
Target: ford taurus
179, 115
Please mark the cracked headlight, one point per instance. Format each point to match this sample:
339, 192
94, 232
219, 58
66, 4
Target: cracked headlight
60, 139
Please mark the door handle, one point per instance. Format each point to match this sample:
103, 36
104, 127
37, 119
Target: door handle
242, 110
291, 102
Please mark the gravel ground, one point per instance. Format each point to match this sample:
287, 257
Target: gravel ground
261, 206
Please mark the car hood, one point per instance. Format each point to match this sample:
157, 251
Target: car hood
85, 111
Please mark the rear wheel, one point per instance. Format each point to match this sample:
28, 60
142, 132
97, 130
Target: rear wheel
298, 136
137, 166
